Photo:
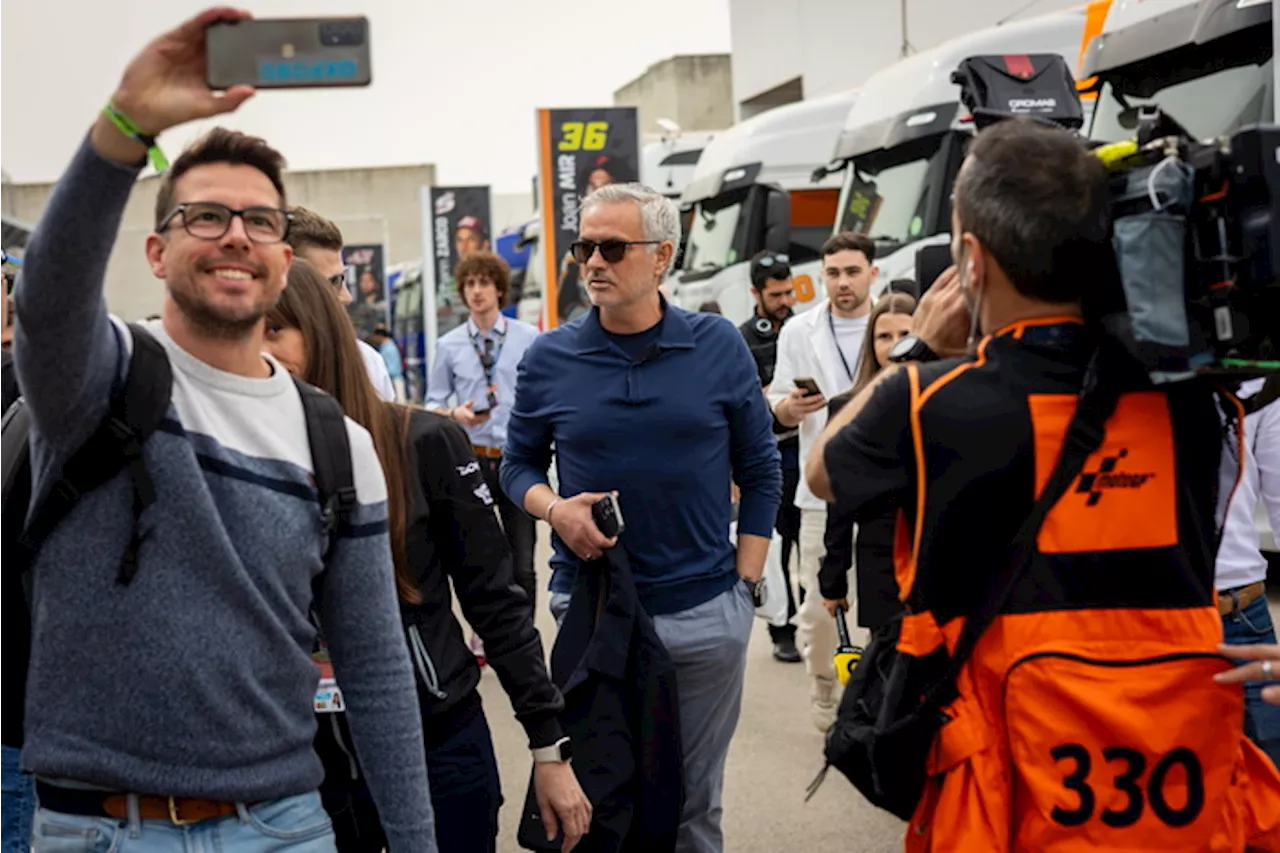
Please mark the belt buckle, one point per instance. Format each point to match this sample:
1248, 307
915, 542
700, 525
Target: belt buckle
173, 814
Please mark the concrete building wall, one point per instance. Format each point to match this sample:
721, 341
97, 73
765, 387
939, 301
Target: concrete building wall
369, 205
834, 45
696, 92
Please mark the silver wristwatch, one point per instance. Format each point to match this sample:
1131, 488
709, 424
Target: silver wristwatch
558, 753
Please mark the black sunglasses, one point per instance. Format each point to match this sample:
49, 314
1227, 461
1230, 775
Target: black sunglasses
611, 250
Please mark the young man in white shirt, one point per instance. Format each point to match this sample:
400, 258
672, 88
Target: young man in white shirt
319, 241
475, 365
822, 345
1241, 569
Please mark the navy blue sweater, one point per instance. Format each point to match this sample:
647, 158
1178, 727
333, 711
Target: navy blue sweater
666, 430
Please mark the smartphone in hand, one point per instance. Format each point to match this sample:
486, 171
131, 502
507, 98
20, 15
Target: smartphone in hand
288, 53
808, 385
607, 515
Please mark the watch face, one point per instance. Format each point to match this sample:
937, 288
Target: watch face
903, 347
566, 752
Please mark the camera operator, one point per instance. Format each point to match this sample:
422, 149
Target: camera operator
1080, 717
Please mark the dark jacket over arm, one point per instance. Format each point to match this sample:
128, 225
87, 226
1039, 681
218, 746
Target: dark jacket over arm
454, 533
622, 714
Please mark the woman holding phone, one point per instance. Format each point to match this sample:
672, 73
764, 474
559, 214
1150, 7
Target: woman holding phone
877, 599
442, 527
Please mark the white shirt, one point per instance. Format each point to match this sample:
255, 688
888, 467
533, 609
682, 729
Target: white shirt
807, 347
1240, 560
376, 366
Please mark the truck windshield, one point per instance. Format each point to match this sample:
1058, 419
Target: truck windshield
886, 195
1217, 104
714, 236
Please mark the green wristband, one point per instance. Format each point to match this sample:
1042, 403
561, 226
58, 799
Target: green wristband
131, 130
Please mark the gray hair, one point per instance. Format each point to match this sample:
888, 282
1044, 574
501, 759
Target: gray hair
658, 214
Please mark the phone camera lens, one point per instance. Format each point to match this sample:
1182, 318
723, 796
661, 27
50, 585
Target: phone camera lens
342, 33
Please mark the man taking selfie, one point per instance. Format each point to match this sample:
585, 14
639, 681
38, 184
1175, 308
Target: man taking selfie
171, 684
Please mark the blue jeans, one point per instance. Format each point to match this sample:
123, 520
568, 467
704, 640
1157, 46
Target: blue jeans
1248, 627
294, 824
17, 803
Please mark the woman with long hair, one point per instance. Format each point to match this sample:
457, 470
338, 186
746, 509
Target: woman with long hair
878, 603
442, 527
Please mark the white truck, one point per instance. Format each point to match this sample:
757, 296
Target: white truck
1208, 64
669, 162
905, 138
754, 189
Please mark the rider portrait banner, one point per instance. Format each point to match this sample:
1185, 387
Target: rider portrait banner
367, 280
461, 225
579, 150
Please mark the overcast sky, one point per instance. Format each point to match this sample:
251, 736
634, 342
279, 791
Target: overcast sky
451, 87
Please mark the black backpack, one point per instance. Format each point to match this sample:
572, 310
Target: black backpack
137, 407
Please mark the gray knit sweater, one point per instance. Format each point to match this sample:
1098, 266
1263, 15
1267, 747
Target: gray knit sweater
195, 679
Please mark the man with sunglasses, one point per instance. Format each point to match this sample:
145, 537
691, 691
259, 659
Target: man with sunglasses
775, 293
170, 698
319, 241
663, 407
475, 366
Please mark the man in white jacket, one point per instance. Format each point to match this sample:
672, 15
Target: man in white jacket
822, 345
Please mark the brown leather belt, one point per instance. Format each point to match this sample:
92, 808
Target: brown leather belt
179, 811
1245, 595
487, 452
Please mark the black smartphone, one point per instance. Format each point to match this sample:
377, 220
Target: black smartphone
809, 385
288, 53
608, 516
478, 412
931, 262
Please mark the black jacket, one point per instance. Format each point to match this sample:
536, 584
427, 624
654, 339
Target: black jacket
877, 596
15, 607
762, 340
622, 716
8, 381
453, 532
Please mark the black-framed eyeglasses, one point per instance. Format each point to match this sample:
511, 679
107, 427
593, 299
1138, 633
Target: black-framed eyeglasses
611, 250
209, 220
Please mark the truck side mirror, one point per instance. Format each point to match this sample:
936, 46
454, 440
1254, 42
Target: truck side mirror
777, 220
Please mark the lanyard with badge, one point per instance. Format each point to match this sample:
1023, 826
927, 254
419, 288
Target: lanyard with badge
835, 339
489, 353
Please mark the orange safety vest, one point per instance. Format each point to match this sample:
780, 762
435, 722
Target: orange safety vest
1087, 717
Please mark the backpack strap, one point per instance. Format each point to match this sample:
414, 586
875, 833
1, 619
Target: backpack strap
330, 459
135, 411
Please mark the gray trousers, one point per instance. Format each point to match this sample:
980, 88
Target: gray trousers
708, 644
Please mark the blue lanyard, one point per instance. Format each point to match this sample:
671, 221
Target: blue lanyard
831, 324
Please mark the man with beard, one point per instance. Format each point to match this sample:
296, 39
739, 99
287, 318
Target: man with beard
817, 359
775, 292
170, 696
